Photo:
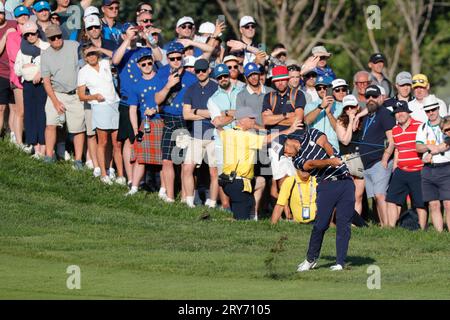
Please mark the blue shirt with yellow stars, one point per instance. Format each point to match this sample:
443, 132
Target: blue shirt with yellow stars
129, 73
175, 107
142, 94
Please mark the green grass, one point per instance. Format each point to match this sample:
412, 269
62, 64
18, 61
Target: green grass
140, 248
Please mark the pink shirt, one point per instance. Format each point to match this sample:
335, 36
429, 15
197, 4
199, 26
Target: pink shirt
12, 48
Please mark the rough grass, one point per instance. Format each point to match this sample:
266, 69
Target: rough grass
140, 248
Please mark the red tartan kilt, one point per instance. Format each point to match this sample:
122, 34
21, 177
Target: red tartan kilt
148, 151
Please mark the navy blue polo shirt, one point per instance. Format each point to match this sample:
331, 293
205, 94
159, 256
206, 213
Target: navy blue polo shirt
175, 108
197, 96
374, 129
283, 104
310, 150
142, 95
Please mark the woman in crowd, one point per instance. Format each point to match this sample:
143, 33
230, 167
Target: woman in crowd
346, 135
27, 66
96, 76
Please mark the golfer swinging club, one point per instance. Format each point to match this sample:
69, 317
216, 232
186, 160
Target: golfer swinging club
312, 152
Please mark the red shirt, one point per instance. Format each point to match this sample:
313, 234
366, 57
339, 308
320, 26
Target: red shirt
4, 61
405, 143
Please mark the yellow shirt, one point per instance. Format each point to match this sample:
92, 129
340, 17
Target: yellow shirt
239, 152
295, 201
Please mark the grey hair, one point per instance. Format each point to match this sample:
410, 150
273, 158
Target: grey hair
359, 73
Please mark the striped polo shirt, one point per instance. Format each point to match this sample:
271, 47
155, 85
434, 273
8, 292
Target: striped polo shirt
405, 143
310, 150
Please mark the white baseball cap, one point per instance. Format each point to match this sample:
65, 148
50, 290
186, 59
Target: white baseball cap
90, 11
189, 61
207, 27
184, 20
246, 20
339, 83
383, 92
349, 100
91, 21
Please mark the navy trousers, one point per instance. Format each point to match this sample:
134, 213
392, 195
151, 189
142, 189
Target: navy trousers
34, 98
242, 203
338, 194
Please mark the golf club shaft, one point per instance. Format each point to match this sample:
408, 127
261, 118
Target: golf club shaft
364, 154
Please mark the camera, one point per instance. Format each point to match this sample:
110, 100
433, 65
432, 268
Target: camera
140, 136
329, 92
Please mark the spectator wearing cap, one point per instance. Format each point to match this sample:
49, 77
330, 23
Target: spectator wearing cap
146, 122
93, 34
27, 67
41, 10
124, 58
347, 133
421, 88
59, 69
188, 63
222, 106
431, 143
247, 28
104, 101
376, 64
91, 10
13, 41
173, 82
322, 114
233, 64
195, 109
322, 68
403, 83
239, 154
111, 28
6, 93
211, 34
310, 86
377, 129
253, 96
361, 80
71, 16
406, 178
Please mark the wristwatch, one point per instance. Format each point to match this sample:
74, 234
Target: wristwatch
285, 115
226, 113
320, 107
195, 111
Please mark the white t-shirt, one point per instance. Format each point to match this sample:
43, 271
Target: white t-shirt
429, 134
417, 110
99, 82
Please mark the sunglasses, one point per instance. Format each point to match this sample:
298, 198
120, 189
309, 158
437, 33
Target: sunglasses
146, 10
294, 68
431, 110
320, 88
250, 26
368, 96
90, 54
201, 71
342, 90
147, 20
350, 107
418, 81
55, 18
224, 76
176, 59
93, 27
145, 64
235, 67
322, 58
56, 37
26, 35
115, 8
189, 26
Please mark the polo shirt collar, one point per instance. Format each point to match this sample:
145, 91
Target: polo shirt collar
263, 89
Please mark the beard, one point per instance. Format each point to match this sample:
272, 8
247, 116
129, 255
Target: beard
372, 106
226, 85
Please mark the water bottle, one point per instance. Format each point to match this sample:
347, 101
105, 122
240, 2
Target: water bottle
146, 125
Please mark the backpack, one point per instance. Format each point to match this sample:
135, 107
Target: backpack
409, 220
292, 97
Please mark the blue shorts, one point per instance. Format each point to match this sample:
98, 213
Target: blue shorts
404, 183
436, 183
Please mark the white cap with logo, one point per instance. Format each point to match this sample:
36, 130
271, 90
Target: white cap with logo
92, 21
90, 11
339, 83
349, 100
184, 20
246, 20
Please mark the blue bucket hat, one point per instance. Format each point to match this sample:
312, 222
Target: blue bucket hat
220, 69
41, 5
251, 68
324, 81
175, 47
20, 11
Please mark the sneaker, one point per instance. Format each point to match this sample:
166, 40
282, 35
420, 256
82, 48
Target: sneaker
12, 137
90, 164
67, 156
306, 265
162, 196
106, 180
111, 173
121, 180
77, 165
26, 148
37, 156
337, 267
48, 159
97, 172
168, 200
132, 191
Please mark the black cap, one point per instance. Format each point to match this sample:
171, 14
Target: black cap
377, 57
401, 106
201, 64
373, 90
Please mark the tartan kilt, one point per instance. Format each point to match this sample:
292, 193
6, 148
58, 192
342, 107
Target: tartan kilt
171, 124
148, 151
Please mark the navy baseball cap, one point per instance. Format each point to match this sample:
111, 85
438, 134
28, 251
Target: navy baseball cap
41, 5
20, 11
401, 106
175, 47
201, 64
107, 3
251, 68
377, 57
221, 69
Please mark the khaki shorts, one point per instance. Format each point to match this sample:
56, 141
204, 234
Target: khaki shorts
88, 119
196, 150
75, 117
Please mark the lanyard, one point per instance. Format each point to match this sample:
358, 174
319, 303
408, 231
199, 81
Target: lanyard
311, 192
368, 124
